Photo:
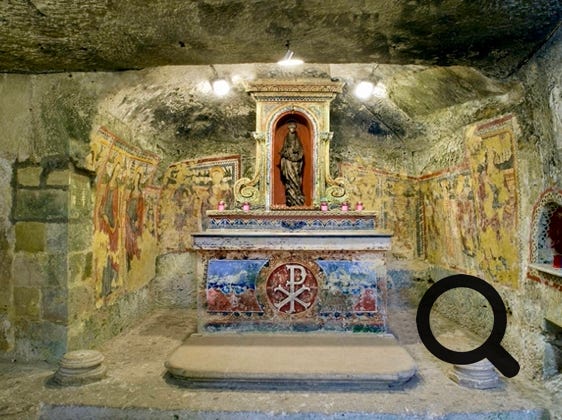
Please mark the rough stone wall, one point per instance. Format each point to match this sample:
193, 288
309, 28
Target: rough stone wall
7, 339
15, 92
40, 215
537, 149
46, 215
33, 222
80, 288
541, 162
172, 112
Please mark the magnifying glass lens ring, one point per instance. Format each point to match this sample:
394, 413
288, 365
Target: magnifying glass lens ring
452, 356
453, 282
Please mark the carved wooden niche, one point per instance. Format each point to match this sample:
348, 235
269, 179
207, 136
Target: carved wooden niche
304, 132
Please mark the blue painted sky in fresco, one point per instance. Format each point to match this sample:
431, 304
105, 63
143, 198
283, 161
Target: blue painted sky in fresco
348, 276
233, 275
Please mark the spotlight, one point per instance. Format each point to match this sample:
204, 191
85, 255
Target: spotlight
364, 90
289, 60
220, 87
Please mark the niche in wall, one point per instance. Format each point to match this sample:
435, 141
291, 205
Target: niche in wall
546, 239
304, 132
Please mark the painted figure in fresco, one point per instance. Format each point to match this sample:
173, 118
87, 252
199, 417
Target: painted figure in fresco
555, 230
367, 301
465, 215
183, 207
109, 209
134, 215
109, 275
219, 189
108, 223
151, 219
291, 165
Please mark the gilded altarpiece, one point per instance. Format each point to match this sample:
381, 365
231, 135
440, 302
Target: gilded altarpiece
306, 102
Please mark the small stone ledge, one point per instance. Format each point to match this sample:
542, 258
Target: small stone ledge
547, 268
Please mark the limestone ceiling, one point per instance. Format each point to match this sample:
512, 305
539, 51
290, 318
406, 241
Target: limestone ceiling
495, 36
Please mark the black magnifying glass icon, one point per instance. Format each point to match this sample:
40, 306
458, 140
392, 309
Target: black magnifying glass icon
490, 349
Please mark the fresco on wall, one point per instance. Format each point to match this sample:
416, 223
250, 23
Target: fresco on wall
125, 241
392, 197
492, 161
190, 188
450, 225
100, 145
470, 212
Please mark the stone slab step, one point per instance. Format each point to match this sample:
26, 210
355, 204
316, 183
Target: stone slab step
358, 360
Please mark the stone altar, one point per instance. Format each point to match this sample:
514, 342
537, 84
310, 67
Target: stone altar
305, 293
291, 271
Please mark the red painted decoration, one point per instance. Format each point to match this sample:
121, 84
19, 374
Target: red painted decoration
291, 288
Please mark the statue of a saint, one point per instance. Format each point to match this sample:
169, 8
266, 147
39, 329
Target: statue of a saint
291, 165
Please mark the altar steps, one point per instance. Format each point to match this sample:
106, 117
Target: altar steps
332, 361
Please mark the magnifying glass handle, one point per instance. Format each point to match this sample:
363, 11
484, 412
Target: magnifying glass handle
503, 361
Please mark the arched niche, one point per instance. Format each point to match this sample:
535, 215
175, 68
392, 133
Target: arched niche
546, 240
546, 228
305, 134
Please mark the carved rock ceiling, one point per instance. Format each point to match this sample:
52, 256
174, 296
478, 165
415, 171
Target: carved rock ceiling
495, 36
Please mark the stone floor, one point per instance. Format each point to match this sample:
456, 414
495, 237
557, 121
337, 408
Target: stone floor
138, 388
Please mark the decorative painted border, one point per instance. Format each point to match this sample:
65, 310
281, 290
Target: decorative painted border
290, 221
300, 86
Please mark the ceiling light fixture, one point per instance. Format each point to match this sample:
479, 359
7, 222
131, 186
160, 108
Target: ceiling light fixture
364, 90
221, 87
289, 60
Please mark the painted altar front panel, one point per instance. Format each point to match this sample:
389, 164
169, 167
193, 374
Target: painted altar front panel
291, 291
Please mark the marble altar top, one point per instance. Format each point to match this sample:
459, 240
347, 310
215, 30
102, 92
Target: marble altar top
232, 239
291, 220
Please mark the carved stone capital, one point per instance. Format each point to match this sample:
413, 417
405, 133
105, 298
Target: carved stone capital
258, 136
326, 136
